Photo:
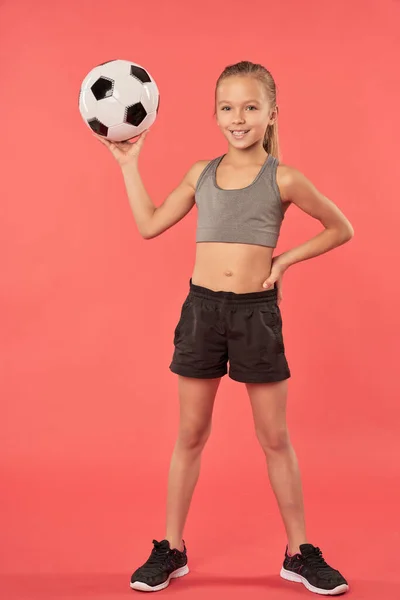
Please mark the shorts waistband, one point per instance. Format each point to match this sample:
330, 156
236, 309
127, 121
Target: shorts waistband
232, 297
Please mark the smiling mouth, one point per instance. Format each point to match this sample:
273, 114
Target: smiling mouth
239, 133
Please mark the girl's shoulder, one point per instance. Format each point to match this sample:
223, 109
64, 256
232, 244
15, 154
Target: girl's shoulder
196, 170
200, 165
285, 175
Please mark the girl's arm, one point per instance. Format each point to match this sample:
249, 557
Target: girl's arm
297, 189
151, 220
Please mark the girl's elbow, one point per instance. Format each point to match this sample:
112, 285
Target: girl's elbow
344, 231
148, 231
349, 232
149, 235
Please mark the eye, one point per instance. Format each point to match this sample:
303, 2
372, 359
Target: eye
251, 106
225, 108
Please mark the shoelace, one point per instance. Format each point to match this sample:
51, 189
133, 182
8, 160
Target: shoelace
317, 561
157, 557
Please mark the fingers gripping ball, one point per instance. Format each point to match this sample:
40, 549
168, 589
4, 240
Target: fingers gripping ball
119, 100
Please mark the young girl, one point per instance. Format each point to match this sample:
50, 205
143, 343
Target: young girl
231, 314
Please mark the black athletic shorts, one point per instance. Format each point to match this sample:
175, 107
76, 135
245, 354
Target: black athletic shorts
244, 330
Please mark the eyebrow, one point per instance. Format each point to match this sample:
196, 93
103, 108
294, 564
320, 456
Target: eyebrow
247, 102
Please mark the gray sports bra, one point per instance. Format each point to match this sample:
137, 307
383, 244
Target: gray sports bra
251, 215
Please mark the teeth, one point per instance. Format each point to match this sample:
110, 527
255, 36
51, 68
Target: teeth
239, 133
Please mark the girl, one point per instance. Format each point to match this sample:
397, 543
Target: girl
231, 314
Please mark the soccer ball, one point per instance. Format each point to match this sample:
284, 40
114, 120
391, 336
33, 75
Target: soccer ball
119, 100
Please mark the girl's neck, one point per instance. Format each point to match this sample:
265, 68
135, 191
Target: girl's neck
248, 156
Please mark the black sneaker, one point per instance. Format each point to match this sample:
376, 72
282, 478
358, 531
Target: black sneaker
162, 565
310, 568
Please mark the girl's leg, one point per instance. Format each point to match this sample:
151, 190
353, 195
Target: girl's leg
196, 398
268, 401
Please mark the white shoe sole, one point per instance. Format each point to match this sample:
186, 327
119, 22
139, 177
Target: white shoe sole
143, 587
290, 576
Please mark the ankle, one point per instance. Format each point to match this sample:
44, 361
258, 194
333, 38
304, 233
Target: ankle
294, 548
175, 543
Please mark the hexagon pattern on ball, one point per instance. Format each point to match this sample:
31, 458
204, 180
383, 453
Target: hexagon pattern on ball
102, 88
119, 100
135, 114
98, 127
140, 74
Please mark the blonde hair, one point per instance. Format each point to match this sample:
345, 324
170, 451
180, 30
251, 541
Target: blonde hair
249, 69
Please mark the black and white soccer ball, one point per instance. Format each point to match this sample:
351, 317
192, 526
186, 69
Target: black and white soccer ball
119, 100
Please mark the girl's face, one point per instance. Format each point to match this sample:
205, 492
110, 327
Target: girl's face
243, 111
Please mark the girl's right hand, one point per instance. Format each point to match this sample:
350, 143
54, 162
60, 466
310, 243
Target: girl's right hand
125, 153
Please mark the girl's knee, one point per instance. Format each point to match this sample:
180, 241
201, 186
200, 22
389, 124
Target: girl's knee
193, 437
274, 441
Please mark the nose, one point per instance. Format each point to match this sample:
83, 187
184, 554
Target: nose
238, 118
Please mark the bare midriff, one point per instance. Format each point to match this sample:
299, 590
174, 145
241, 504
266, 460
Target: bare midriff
239, 268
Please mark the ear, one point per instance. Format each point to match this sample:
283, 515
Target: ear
274, 115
